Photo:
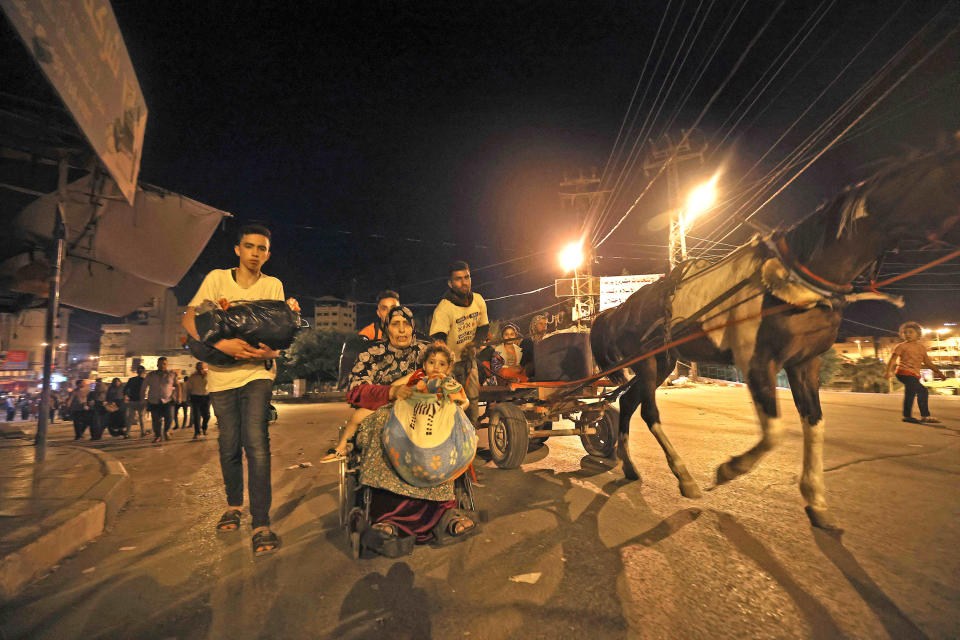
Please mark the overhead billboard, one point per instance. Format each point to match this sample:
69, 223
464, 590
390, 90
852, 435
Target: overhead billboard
78, 45
14, 360
614, 290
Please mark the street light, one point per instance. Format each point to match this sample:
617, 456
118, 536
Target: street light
859, 351
701, 198
571, 257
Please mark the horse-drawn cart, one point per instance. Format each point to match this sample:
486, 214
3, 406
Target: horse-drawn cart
518, 417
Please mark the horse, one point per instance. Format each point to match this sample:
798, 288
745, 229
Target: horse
774, 303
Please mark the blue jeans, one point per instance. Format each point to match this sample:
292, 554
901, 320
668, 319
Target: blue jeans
242, 419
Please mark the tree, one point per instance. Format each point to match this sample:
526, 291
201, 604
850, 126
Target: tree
314, 356
868, 376
829, 364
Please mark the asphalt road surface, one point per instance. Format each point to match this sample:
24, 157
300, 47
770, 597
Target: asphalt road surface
570, 550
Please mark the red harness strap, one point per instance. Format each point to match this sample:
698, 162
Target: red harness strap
785, 252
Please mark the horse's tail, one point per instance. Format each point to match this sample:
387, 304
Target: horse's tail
603, 344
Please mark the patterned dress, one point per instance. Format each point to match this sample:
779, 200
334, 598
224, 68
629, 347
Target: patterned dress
413, 510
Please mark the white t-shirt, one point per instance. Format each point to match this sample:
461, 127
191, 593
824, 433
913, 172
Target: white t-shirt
218, 284
459, 323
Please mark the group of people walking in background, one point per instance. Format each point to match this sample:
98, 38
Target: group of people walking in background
118, 407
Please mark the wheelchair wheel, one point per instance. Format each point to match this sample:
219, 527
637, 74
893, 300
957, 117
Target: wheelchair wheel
465, 496
346, 492
463, 492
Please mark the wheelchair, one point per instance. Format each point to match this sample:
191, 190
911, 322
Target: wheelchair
355, 498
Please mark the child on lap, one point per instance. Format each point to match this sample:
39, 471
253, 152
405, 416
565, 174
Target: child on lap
433, 377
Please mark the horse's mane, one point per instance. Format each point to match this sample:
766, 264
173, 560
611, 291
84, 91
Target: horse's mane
838, 216
815, 231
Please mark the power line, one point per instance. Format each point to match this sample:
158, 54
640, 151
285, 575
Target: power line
869, 108
871, 326
523, 293
703, 113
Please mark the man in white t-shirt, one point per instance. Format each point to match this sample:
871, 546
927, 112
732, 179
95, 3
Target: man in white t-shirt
460, 321
240, 394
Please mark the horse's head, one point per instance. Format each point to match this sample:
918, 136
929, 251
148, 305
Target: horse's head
918, 200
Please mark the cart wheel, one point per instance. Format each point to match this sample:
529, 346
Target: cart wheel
536, 443
508, 435
604, 442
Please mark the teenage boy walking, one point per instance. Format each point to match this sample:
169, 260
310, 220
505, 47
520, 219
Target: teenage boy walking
240, 394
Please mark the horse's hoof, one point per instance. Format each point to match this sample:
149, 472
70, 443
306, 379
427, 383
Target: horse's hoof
821, 519
629, 471
690, 490
725, 473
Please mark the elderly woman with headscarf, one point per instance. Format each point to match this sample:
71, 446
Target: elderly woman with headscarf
400, 513
371, 381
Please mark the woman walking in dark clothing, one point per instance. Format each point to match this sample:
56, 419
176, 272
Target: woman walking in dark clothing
114, 409
77, 402
912, 356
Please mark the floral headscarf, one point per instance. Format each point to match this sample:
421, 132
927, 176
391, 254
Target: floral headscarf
398, 310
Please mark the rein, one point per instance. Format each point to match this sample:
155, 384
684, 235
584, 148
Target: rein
782, 251
670, 345
874, 285
789, 261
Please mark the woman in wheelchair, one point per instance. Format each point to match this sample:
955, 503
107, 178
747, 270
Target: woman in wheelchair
398, 513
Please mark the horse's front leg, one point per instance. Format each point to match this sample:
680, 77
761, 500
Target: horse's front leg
805, 386
651, 415
629, 402
761, 380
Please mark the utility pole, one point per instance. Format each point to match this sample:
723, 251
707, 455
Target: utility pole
583, 195
668, 156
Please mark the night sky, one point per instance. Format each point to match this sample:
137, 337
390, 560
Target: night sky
382, 140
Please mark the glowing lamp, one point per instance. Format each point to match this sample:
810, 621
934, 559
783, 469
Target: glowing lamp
700, 199
571, 257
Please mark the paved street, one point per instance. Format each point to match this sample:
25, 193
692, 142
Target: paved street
571, 549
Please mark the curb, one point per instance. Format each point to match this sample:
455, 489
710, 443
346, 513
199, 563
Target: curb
63, 532
9, 430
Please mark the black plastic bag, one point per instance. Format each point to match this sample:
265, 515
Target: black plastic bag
271, 322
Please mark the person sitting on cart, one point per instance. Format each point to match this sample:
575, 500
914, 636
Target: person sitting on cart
386, 300
509, 360
371, 383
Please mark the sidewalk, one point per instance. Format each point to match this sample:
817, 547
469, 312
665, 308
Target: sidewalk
49, 509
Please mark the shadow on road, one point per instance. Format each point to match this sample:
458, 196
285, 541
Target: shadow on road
385, 606
822, 624
588, 566
895, 621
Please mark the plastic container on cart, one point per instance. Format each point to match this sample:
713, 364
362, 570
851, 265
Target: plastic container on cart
563, 356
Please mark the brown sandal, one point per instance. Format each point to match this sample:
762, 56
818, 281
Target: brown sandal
229, 521
264, 542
